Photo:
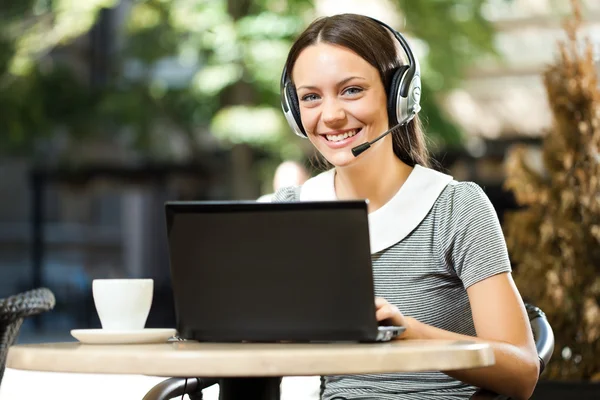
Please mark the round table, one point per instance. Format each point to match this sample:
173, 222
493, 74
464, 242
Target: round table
251, 369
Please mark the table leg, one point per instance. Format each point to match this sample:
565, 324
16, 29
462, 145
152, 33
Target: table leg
250, 388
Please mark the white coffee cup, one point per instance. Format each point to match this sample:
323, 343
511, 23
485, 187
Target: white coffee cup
123, 304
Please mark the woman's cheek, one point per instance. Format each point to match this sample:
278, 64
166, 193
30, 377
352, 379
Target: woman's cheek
309, 119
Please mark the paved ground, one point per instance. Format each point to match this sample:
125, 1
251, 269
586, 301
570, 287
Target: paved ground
20, 385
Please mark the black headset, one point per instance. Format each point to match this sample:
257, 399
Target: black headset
404, 93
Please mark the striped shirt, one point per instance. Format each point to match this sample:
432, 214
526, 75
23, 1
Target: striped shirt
446, 237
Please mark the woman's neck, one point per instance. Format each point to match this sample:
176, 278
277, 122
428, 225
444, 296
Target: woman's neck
377, 179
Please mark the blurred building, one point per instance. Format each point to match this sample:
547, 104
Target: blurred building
504, 101
506, 98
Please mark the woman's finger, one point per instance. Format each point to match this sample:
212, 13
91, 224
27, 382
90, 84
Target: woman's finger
380, 302
385, 312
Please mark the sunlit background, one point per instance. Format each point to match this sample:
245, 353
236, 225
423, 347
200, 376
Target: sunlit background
108, 108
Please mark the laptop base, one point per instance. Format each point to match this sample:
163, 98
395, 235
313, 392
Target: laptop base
387, 333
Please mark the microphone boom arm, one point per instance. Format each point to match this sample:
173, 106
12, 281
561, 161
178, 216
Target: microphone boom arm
356, 151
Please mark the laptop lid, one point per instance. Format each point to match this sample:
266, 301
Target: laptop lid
271, 271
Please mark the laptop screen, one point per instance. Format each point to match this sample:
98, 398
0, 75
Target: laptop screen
242, 270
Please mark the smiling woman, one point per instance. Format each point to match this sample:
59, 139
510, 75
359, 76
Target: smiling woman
440, 263
340, 114
365, 74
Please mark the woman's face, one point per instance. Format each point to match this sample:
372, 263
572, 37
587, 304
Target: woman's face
342, 100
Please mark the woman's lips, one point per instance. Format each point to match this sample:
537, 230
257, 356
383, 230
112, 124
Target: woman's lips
341, 143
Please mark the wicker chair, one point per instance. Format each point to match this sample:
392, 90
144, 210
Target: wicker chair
542, 332
13, 310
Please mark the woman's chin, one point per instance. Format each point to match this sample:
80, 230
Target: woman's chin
340, 159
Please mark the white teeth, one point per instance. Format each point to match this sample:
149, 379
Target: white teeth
342, 136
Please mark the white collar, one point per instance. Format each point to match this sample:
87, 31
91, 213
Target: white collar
398, 217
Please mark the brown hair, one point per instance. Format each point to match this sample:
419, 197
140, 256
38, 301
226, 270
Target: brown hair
375, 44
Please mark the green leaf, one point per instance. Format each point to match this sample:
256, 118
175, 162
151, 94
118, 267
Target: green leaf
258, 126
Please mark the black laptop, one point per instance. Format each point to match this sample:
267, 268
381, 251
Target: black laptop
267, 272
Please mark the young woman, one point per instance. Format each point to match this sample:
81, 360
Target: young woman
440, 262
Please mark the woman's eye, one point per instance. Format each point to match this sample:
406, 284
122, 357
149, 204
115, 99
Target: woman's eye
309, 97
352, 90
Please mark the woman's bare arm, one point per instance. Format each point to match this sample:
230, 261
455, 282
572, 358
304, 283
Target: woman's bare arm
501, 320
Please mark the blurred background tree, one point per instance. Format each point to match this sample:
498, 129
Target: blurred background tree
167, 79
555, 238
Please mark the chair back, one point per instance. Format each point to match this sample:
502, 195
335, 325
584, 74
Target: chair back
542, 334
13, 310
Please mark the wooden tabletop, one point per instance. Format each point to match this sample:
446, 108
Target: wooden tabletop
185, 359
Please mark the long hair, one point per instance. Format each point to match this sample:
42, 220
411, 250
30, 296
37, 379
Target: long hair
372, 42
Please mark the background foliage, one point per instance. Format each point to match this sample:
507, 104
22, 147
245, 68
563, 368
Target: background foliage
165, 78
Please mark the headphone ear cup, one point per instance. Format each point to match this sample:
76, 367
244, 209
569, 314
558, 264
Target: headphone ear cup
294, 106
396, 113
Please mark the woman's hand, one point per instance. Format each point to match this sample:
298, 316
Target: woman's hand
384, 311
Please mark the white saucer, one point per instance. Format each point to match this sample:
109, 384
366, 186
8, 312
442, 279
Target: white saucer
103, 336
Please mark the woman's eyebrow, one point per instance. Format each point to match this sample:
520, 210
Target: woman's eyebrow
340, 83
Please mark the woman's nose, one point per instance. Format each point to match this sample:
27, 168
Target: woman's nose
333, 112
